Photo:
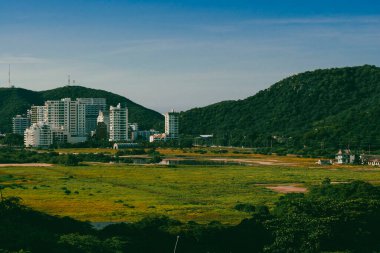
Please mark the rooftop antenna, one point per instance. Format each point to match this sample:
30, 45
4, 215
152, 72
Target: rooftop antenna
68, 80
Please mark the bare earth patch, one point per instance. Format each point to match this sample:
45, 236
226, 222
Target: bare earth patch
250, 161
25, 165
287, 189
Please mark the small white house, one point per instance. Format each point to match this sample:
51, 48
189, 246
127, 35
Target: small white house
344, 157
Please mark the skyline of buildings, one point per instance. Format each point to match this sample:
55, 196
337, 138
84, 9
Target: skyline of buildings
63, 121
75, 120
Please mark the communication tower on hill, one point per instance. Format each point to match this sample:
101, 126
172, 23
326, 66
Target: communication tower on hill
9, 77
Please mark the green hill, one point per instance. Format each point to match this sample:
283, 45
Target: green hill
336, 107
16, 101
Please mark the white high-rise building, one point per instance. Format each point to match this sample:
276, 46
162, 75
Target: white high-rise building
38, 135
41, 135
172, 124
67, 114
118, 123
19, 124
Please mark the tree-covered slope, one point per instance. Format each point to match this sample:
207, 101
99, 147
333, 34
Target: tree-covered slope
323, 107
16, 101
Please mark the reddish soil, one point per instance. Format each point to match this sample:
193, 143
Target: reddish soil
287, 188
25, 165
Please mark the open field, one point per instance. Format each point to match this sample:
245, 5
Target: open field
106, 193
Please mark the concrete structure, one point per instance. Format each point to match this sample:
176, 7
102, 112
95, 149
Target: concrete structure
67, 114
118, 123
172, 124
67, 120
143, 135
204, 140
345, 157
37, 114
158, 137
61, 136
38, 136
373, 160
92, 108
42, 135
19, 124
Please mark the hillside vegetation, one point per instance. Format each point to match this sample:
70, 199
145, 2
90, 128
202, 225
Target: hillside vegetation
17, 100
333, 108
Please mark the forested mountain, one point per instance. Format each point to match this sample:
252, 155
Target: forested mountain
332, 108
16, 101
337, 107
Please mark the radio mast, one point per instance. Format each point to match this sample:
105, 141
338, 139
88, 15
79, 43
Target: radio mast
9, 76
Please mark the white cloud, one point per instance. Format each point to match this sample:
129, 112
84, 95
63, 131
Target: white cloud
21, 60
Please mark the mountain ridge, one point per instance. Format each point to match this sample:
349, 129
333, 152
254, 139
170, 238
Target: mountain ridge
323, 99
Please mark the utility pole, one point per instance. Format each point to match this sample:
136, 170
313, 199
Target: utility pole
175, 246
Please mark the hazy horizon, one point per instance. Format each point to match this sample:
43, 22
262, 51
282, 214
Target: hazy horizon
165, 54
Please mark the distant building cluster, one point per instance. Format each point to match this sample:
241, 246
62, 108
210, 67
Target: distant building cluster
62, 121
73, 121
171, 128
346, 156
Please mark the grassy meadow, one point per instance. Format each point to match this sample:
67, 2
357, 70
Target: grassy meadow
116, 192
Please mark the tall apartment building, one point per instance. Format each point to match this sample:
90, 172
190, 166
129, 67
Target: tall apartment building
67, 114
38, 135
20, 124
172, 124
118, 123
37, 114
42, 135
93, 106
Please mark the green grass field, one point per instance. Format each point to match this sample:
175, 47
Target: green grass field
107, 193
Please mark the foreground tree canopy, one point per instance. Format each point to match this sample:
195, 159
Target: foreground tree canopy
330, 218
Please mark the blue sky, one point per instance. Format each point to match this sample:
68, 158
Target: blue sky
182, 54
